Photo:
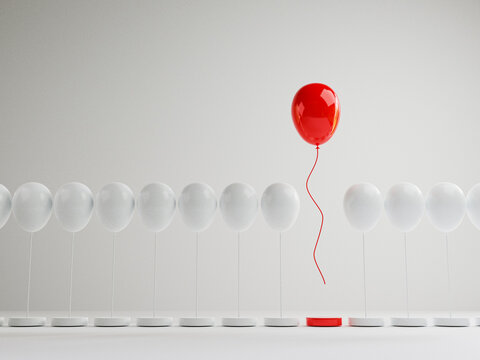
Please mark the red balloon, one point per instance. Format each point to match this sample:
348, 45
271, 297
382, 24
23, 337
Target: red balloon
315, 113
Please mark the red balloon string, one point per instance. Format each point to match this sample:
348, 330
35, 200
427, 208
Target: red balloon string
321, 225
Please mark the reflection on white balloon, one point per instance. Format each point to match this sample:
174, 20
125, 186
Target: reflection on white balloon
5, 205
32, 206
239, 206
473, 205
363, 206
280, 206
115, 206
197, 205
156, 206
445, 205
73, 206
404, 206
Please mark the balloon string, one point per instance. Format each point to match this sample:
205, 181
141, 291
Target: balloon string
321, 212
113, 274
29, 275
71, 276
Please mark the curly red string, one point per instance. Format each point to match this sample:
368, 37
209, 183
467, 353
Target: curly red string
321, 225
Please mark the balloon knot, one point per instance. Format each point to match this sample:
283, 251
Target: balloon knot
317, 147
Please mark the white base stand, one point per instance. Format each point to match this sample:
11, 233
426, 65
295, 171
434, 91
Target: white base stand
27, 321
112, 322
196, 322
477, 321
239, 322
451, 322
408, 322
366, 322
281, 322
69, 321
154, 322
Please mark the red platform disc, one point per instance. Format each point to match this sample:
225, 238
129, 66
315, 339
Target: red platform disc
324, 322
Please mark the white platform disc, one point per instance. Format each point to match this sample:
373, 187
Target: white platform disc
366, 322
281, 322
155, 322
27, 322
196, 322
239, 322
69, 321
409, 322
453, 322
112, 321
476, 321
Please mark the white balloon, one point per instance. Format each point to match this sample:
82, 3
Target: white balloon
5, 205
239, 206
404, 205
280, 206
445, 205
473, 205
197, 205
32, 206
156, 205
363, 206
73, 206
115, 206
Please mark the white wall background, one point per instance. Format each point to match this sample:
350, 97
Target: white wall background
176, 91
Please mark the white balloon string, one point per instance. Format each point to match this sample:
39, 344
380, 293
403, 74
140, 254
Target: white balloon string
406, 273
154, 273
29, 274
113, 273
196, 274
238, 274
449, 295
280, 272
364, 278
71, 276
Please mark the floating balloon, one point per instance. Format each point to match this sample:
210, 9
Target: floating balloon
239, 206
73, 206
280, 206
197, 205
156, 205
473, 205
5, 205
115, 206
32, 206
315, 113
363, 206
445, 205
404, 206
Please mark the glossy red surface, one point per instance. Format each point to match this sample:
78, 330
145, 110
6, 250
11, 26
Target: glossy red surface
324, 322
315, 113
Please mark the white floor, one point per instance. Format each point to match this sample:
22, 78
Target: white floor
239, 343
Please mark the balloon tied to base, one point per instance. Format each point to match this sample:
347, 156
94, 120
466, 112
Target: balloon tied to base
73, 207
445, 206
32, 206
280, 206
115, 208
239, 208
363, 206
197, 205
156, 206
315, 113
